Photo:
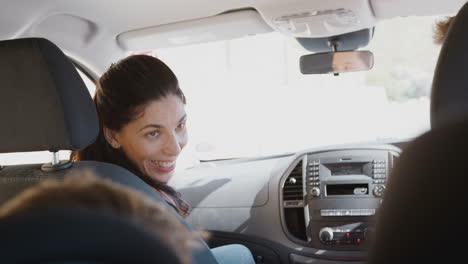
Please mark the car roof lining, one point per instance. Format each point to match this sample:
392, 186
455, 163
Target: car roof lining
85, 29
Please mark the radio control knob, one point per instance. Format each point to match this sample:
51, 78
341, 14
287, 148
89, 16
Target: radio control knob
315, 192
326, 235
379, 190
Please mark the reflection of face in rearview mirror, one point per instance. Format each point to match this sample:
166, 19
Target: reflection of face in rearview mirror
336, 62
351, 61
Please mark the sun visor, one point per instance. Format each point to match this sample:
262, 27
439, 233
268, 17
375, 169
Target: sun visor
220, 27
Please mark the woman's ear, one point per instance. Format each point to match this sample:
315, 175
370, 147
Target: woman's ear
109, 134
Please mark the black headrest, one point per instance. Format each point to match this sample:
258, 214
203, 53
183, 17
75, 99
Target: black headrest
79, 236
44, 103
449, 98
422, 218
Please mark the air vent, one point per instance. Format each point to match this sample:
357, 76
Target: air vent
293, 187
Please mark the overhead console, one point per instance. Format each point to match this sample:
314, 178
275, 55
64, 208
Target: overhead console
319, 18
329, 198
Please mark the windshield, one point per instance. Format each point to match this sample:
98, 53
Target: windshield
247, 97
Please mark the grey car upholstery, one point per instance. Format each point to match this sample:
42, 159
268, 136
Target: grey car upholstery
97, 237
44, 105
422, 218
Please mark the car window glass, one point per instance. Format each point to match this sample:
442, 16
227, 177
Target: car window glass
88, 82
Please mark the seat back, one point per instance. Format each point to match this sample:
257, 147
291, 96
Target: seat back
422, 217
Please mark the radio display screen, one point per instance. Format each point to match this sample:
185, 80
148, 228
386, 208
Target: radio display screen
339, 169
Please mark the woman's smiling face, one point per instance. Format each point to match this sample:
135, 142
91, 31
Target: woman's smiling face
154, 140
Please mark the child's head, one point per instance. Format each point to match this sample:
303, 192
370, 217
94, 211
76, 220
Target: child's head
88, 191
441, 29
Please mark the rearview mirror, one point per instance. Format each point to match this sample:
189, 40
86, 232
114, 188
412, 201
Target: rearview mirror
336, 62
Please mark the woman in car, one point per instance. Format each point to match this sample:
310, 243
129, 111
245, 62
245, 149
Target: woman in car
142, 118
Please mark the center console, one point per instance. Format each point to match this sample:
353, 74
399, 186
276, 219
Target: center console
342, 191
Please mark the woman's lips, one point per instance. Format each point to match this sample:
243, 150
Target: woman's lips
163, 165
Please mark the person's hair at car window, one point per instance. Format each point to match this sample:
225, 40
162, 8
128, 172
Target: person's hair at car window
88, 192
441, 29
120, 97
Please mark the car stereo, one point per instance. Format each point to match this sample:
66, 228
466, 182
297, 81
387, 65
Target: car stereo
344, 190
347, 176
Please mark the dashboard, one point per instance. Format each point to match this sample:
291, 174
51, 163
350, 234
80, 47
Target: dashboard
318, 205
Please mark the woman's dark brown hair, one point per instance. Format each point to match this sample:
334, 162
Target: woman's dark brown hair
121, 95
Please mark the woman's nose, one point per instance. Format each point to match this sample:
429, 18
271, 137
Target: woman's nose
172, 147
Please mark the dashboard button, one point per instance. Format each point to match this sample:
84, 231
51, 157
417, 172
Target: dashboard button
326, 235
325, 212
315, 192
379, 190
355, 212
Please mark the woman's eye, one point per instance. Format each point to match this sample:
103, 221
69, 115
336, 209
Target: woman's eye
152, 134
181, 125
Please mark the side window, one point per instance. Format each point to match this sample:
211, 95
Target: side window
88, 82
42, 156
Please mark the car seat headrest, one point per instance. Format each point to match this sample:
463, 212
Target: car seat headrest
44, 103
449, 96
423, 204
